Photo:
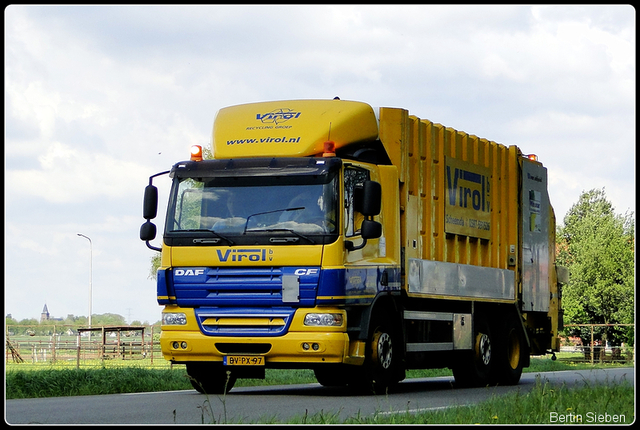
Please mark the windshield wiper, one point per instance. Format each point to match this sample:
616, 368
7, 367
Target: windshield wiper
288, 230
246, 224
191, 230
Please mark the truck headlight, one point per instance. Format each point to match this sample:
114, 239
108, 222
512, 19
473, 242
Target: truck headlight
174, 318
326, 320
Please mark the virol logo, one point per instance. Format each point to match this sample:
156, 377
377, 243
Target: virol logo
467, 189
468, 199
244, 255
277, 116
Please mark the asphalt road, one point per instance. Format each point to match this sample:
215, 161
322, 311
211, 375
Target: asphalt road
276, 403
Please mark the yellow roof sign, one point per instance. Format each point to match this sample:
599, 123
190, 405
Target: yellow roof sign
293, 128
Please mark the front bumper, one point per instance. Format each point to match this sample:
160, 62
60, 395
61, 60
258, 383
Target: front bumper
300, 345
309, 348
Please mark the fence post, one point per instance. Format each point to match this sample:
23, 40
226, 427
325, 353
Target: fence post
144, 355
103, 347
593, 351
53, 345
78, 348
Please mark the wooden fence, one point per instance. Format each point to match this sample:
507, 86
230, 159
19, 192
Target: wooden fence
595, 351
85, 346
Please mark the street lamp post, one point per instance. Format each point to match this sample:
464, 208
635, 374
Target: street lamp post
90, 274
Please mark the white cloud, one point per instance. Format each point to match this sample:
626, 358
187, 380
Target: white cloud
68, 174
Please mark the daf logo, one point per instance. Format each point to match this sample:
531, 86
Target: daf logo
189, 272
278, 116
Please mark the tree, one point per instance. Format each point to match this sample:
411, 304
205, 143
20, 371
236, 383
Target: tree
598, 248
108, 319
155, 264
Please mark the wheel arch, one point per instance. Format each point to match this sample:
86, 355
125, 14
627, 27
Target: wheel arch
383, 304
512, 312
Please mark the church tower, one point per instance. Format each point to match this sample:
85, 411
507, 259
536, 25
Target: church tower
44, 316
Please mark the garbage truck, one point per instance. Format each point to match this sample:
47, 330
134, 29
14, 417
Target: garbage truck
356, 242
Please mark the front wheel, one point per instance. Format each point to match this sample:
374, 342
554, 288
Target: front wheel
385, 359
209, 378
332, 375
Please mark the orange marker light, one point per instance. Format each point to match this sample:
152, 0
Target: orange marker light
532, 157
196, 153
329, 149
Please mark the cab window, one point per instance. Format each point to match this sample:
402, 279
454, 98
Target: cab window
353, 180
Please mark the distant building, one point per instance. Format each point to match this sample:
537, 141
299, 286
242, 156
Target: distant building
45, 316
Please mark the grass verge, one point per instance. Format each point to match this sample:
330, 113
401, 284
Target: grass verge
52, 382
544, 404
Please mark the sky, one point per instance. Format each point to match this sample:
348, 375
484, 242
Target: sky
99, 98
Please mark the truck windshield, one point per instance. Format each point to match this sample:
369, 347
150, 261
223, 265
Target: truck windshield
253, 207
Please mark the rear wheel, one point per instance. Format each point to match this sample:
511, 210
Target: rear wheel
512, 353
475, 367
210, 378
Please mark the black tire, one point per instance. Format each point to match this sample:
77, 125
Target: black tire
475, 368
384, 358
511, 352
210, 378
332, 375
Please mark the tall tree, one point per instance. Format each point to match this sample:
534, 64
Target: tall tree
598, 248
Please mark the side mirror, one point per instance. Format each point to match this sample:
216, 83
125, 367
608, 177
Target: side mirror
148, 231
371, 198
150, 203
367, 201
369, 230
149, 212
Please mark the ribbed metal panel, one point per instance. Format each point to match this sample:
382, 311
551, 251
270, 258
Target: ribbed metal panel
244, 321
420, 149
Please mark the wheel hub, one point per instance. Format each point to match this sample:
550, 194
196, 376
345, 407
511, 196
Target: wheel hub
383, 350
484, 348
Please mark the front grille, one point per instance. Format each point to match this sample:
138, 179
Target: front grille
244, 321
244, 286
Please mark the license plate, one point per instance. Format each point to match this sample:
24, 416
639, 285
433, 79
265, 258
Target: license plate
243, 360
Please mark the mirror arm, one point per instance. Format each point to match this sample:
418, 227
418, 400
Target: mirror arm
351, 247
153, 247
